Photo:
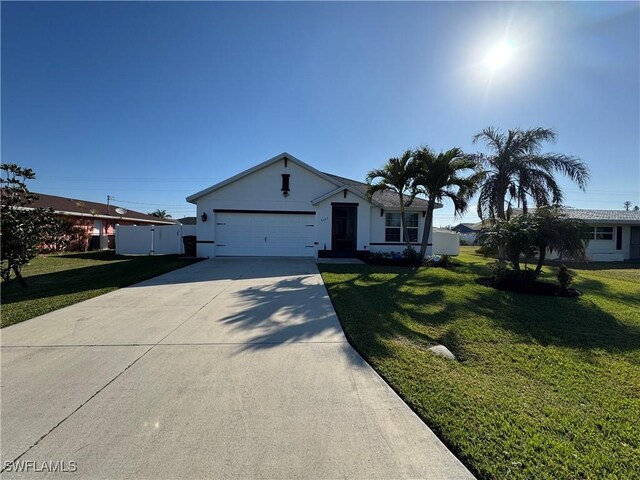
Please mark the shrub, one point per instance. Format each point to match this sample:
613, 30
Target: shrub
500, 272
410, 254
442, 261
565, 278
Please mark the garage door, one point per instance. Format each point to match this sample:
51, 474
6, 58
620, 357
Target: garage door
265, 234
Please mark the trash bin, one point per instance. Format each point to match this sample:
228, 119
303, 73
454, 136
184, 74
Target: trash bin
189, 242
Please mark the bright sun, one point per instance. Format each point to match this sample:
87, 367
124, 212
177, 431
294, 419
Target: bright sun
498, 56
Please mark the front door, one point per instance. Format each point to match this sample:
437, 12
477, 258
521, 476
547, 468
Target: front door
344, 228
634, 247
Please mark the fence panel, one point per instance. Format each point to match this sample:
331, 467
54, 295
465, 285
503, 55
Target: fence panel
150, 240
446, 243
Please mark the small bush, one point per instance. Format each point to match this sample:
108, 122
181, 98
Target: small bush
404, 259
500, 271
442, 261
486, 250
565, 278
410, 254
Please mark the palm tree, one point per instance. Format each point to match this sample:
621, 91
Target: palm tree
556, 233
627, 205
160, 214
441, 176
397, 175
517, 170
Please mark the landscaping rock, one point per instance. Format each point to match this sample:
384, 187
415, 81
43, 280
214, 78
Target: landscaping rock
442, 351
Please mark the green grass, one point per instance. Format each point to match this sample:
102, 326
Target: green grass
545, 387
57, 281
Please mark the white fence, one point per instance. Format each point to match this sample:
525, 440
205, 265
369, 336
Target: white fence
151, 240
445, 242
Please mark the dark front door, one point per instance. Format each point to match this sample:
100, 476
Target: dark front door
634, 246
344, 230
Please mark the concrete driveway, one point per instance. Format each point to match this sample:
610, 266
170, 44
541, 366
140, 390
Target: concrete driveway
230, 368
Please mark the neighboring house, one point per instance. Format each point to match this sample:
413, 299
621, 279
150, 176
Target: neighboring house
284, 207
468, 231
614, 234
99, 219
187, 221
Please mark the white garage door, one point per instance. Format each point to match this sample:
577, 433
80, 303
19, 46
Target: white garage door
265, 234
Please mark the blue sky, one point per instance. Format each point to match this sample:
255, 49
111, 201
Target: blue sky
150, 102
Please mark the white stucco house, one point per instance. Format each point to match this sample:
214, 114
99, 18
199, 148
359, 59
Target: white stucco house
614, 234
284, 207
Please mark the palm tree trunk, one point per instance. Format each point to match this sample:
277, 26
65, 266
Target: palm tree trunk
541, 256
405, 233
500, 213
18, 274
426, 231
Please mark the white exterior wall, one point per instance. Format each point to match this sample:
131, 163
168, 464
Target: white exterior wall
260, 190
324, 220
378, 232
605, 250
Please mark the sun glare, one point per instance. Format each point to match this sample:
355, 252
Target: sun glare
498, 56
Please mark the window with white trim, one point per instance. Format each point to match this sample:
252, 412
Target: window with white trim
601, 233
393, 227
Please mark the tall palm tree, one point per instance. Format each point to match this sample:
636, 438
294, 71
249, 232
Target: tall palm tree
449, 174
397, 175
627, 205
518, 171
160, 214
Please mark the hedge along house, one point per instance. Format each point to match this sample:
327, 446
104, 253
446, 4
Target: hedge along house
284, 207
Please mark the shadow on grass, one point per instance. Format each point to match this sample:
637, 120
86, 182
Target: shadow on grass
595, 266
117, 274
371, 307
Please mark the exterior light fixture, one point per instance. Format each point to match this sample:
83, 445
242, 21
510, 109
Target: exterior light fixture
204, 216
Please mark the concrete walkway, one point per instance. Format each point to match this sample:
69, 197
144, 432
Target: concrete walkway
225, 369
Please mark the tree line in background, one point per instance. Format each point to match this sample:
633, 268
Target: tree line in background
515, 173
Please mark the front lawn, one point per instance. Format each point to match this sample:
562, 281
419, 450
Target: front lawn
56, 281
545, 387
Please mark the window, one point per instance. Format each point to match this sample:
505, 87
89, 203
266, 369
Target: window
411, 219
285, 182
601, 233
393, 227
392, 230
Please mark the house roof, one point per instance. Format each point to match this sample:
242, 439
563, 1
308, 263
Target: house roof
385, 199
76, 207
187, 220
260, 166
467, 227
597, 216
603, 216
